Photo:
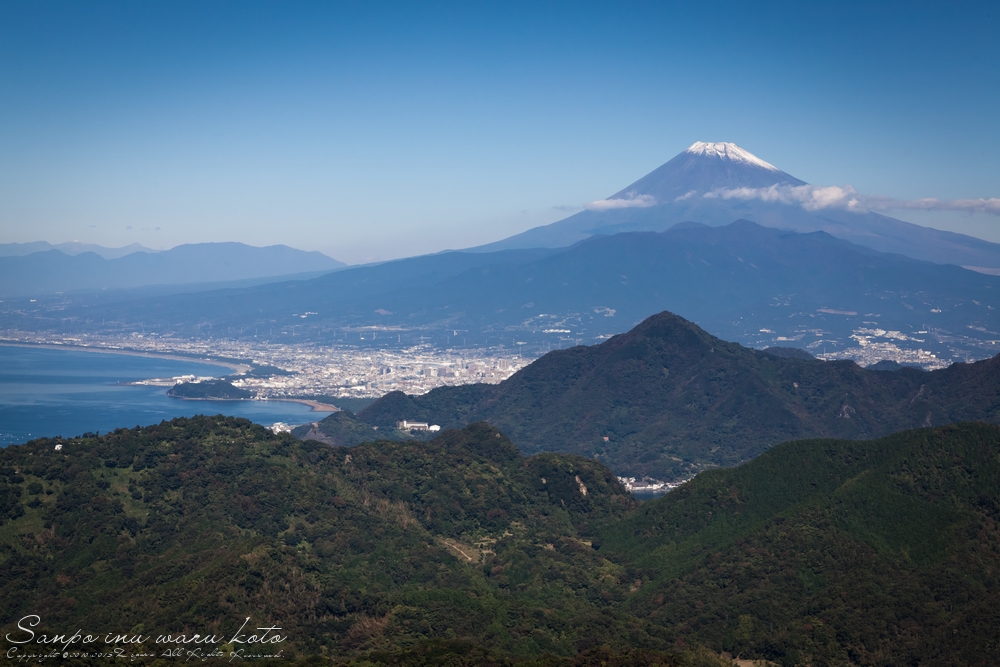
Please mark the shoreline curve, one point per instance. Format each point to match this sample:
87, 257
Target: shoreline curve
236, 367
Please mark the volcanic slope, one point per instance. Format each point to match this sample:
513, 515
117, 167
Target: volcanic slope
715, 183
667, 399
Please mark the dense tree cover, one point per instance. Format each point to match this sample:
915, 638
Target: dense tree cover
788, 352
193, 524
826, 552
667, 398
342, 429
218, 389
458, 653
461, 551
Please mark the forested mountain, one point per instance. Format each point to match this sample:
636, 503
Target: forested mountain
461, 551
667, 398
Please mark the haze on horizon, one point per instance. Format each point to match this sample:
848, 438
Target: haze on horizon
371, 132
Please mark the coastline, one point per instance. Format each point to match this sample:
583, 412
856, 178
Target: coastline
315, 405
235, 367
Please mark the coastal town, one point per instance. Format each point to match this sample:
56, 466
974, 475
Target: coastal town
272, 371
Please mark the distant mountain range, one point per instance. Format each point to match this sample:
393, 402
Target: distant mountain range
461, 551
743, 282
51, 271
70, 248
666, 399
718, 183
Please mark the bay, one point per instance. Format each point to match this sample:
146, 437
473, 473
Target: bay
47, 392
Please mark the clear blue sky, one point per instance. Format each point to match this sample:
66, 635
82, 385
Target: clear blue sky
373, 130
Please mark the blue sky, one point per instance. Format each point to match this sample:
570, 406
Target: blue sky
378, 130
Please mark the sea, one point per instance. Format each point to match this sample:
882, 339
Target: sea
48, 392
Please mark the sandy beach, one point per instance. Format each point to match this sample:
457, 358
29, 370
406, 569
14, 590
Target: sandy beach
315, 405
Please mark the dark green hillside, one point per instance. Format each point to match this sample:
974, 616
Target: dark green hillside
342, 429
671, 398
461, 551
191, 525
884, 552
208, 390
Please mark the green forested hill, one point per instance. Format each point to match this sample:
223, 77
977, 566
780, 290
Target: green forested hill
668, 398
342, 429
207, 390
196, 523
883, 552
822, 552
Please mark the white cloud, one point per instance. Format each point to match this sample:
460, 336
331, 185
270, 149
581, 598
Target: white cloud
809, 197
631, 201
815, 198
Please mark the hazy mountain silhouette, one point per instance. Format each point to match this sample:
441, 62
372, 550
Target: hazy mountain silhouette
70, 248
55, 271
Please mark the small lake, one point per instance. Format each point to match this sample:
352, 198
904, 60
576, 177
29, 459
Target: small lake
48, 392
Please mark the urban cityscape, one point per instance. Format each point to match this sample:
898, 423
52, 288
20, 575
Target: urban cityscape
308, 370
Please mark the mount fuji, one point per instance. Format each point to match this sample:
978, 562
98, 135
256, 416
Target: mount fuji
718, 183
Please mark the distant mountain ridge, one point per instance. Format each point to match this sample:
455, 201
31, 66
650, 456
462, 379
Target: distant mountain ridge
53, 271
810, 289
687, 188
70, 248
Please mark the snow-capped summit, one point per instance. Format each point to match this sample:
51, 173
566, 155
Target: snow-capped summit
728, 151
705, 166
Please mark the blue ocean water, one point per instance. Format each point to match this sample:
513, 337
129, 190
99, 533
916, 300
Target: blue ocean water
46, 393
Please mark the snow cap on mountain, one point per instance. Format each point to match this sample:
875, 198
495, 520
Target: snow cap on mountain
704, 167
728, 151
